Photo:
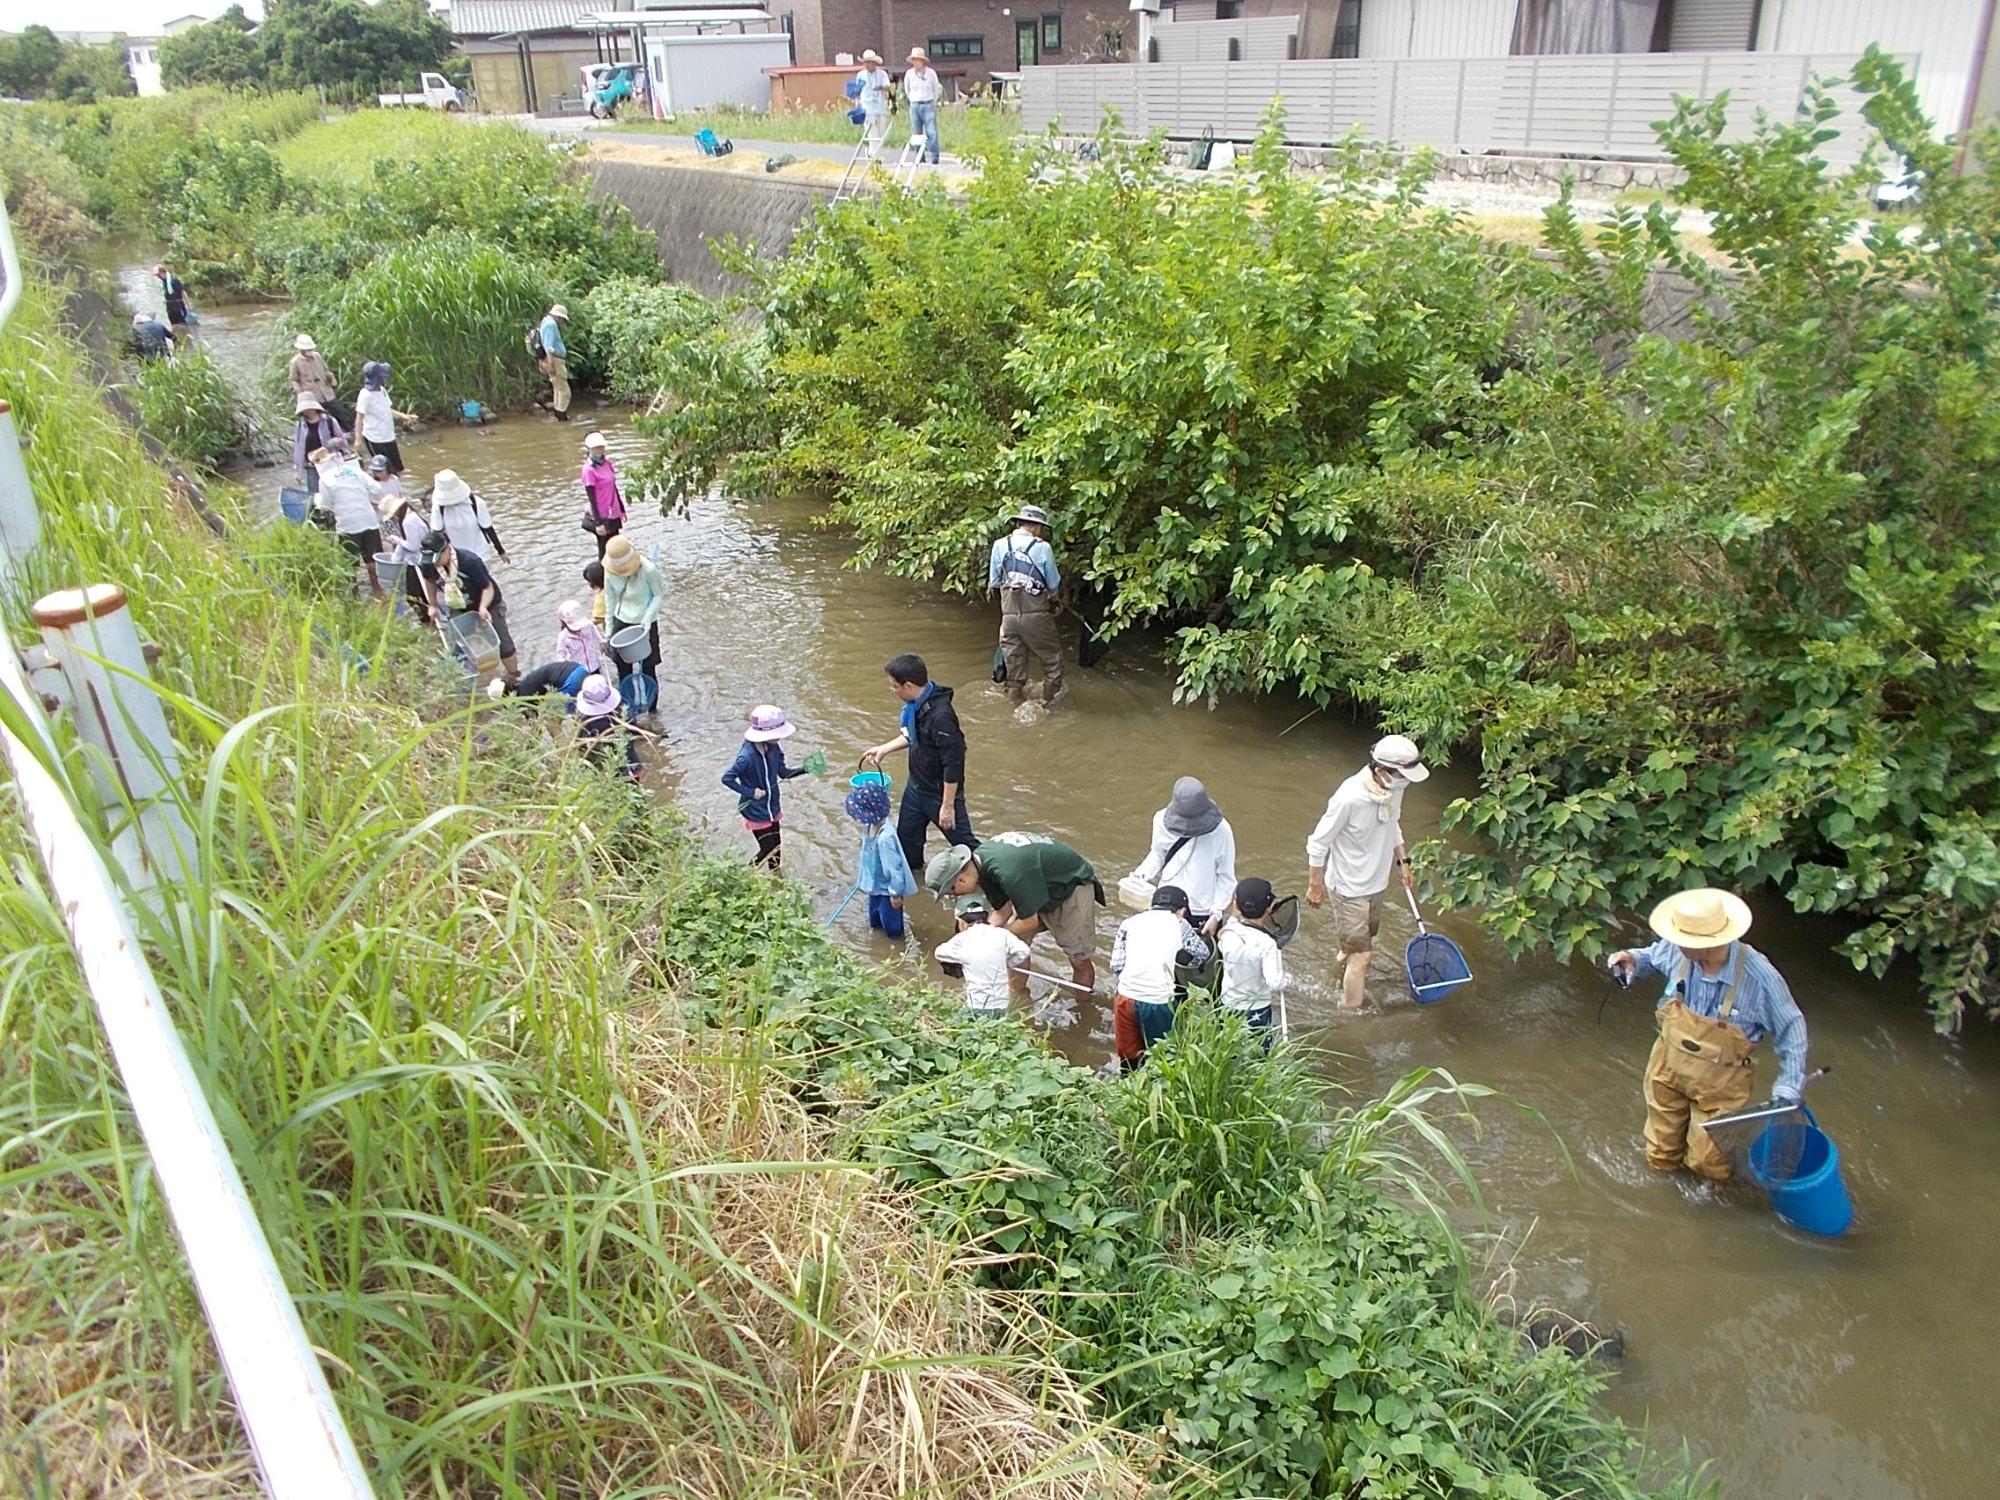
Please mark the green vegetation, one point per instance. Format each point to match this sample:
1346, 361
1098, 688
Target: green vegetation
187, 403
34, 64
351, 50
964, 129
1718, 610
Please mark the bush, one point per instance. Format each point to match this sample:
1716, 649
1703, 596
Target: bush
188, 404
448, 312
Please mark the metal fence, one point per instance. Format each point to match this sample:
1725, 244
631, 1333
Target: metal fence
1535, 106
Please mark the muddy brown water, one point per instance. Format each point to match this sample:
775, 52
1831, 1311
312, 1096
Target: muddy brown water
1795, 1366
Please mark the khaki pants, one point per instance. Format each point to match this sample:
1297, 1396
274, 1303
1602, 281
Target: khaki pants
1028, 627
1699, 1069
557, 369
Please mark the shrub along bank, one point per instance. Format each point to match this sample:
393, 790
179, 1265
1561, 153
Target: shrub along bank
1724, 609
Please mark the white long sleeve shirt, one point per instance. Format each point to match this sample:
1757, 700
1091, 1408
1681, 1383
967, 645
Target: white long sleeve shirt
462, 524
922, 86
350, 495
1253, 970
1356, 838
1148, 947
987, 952
1204, 867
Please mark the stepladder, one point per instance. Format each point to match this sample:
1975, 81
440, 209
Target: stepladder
865, 151
910, 162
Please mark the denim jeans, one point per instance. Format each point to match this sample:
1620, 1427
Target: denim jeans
923, 121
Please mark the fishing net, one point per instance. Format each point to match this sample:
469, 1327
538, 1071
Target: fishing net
1766, 1143
1282, 920
1436, 967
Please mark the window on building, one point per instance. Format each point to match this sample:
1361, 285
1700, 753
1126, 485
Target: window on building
1052, 33
1228, 10
956, 46
1347, 30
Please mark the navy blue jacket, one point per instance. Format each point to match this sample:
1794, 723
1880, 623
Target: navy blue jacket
751, 771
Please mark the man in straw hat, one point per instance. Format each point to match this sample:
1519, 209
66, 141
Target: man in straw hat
554, 359
922, 88
1022, 570
874, 101
1357, 845
1722, 998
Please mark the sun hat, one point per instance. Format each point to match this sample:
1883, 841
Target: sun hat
1033, 513
570, 613
1701, 918
1254, 897
559, 311
1169, 898
1399, 752
375, 374
917, 54
379, 464
621, 557
594, 440
945, 867
767, 723
1192, 812
304, 343
306, 402
159, 270
448, 489
871, 55
596, 698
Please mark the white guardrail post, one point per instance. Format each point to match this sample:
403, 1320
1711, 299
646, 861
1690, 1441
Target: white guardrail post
295, 1430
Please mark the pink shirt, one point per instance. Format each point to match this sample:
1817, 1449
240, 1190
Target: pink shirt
584, 646
600, 482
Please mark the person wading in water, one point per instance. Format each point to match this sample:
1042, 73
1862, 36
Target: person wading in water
1722, 998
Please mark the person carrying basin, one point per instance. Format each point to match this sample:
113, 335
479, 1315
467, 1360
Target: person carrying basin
633, 595
1022, 570
758, 775
1193, 848
1032, 883
313, 429
1357, 845
1147, 957
405, 531
478, 592
603, 505
461, 514
306, 373
1722, 998
934, 797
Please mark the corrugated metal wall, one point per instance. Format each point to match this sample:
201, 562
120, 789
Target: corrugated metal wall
1944, 35
1437, 28
1266, 40
1711, 25
1534, 106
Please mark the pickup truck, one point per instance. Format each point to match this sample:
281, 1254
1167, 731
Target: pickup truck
436, 93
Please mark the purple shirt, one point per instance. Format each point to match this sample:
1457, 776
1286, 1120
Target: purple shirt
600, 482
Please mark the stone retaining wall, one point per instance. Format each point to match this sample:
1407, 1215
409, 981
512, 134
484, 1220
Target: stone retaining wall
690, 208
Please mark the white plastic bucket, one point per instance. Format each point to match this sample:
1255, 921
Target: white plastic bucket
1137, 894
633, 643
389, 571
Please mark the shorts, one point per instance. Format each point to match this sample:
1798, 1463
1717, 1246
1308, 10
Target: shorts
1356, 920
363, 544
386, 449
1072, 922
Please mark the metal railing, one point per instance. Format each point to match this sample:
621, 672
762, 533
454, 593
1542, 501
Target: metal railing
92, 662
1534, 106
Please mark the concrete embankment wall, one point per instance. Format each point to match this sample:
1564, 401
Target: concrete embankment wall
689, 208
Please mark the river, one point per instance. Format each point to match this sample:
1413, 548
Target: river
1796, 1367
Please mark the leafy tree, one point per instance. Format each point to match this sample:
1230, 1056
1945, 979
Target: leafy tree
221, 51
28, 59
88, 74
342, 45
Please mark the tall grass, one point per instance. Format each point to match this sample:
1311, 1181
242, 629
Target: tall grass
345, 148
548, 1242
449, 312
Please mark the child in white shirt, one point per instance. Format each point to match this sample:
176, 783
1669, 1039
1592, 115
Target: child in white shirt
985, 953
1253, 970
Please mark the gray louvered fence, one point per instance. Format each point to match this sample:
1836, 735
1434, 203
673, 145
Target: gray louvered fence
1535, 106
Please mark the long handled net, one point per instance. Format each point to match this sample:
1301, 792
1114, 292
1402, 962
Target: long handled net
1768, 1143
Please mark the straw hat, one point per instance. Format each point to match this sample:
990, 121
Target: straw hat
621, 557
918, 55
559, 311
596, 698
306, 402
304, 343
1399, 752
448, 489
1703, 918
768, 722
872, 56
1192, 812
594, 440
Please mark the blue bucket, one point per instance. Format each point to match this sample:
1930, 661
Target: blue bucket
1814, 1198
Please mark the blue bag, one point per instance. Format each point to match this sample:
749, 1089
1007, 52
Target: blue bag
857, 116
854, 88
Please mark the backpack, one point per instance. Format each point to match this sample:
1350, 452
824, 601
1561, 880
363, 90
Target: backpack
534, 343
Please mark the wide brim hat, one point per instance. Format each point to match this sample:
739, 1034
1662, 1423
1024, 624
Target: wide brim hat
767, 723
621, 557
559, 311
596, 697
448, 489
1400, 752
306, 402
1701, 918
1192, 812
304, 343
945, 868
1032, 514
917, 54
871, 55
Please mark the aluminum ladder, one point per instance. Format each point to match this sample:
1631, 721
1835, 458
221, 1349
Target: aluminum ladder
910, 162
857, 169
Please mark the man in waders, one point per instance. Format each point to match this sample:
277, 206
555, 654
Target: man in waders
1722, 998
1023, 570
